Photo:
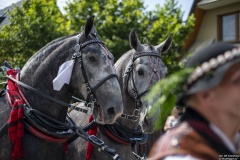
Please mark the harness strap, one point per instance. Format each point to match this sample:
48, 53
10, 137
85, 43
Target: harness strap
113, 137
49, 125
137, 97
90, 97
134, 117
43, 135
144, 92
71, 106
155, 54
40, 93
100, 83
39, 121
131, 117
104, 80
90, 147
80, 132
124, 134
85, 128
82, 45
98, 143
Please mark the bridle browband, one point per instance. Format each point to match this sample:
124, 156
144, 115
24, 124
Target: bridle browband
137, 96
91, 98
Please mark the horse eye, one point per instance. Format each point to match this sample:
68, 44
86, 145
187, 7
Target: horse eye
140, 72
92, 59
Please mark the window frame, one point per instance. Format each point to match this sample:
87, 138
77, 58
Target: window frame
237, 26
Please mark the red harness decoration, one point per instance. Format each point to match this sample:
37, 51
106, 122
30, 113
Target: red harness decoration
116, 139
90, 147
16, 124
15, 121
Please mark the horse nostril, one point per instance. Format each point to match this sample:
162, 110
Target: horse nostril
110, 111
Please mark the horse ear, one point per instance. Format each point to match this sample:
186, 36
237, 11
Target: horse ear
165, 45
88, 26
134, 41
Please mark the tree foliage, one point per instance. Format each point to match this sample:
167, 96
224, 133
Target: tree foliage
115, 19
31, 27
38, 22
169, 19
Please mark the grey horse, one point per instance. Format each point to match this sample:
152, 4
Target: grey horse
92, 76
138, 70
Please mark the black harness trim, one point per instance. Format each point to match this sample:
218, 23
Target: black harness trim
125, 134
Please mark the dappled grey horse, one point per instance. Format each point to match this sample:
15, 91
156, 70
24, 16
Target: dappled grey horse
78, 64
138, 70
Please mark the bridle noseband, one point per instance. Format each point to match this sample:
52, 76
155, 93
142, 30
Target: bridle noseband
91, 98
137, 96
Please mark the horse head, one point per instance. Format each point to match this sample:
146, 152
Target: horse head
80, 63
100, 74
143, 70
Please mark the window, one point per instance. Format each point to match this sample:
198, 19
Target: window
229, 27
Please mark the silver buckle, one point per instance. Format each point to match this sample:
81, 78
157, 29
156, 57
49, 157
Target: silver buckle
95, 140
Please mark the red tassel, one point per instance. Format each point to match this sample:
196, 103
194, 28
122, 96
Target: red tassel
90, 147
15, 121
65, 147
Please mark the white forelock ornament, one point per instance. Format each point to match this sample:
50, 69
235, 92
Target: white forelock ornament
64, 75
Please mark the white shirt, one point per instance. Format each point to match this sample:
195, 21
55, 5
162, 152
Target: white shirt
224, 138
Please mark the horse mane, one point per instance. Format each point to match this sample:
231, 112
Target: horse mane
123, 58
51, 46
54, 44
60, 39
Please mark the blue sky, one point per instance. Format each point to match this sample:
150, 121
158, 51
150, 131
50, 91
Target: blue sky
185, 4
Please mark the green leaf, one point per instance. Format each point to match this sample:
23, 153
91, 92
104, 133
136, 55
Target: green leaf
38, 22
169, 87
32, 26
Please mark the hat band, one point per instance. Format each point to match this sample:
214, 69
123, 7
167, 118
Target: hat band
213, 64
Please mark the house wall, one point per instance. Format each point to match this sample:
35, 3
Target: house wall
208, 30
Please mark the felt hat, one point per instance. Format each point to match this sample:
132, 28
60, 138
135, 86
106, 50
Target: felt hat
209, 67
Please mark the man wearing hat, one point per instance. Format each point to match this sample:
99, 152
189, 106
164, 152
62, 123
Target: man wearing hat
210, 127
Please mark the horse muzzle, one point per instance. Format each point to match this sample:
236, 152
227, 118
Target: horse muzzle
107, 115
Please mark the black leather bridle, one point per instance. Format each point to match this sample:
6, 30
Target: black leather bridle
91, 98
137, 96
